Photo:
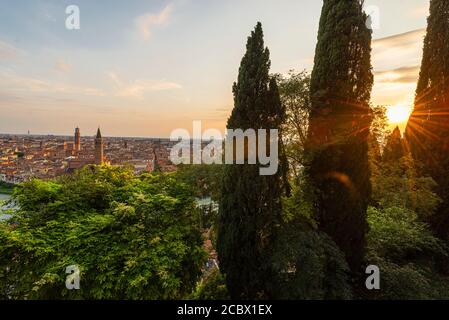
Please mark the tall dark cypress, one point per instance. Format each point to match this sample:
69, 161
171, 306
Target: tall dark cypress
337, 146
394, 149
250, 205
427, 132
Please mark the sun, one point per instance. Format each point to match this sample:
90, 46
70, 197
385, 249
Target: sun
398, 113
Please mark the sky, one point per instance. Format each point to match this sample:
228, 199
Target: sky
146, 67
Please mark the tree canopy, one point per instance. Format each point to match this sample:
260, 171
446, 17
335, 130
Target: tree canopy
132, 237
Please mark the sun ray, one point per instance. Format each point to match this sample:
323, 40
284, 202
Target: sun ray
399, 113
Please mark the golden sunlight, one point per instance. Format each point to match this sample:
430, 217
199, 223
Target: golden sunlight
398, 113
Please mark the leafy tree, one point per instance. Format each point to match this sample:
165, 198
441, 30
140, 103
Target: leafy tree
294, 91
132, 237
250, 205
337, 146
427, 132
205, 180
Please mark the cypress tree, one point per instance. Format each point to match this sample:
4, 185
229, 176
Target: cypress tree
427, 132
250, 205
394, 149
337, 148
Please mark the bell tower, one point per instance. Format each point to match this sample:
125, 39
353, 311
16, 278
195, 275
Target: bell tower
99, 148
77, 140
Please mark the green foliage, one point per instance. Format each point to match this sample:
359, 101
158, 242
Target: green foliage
294, 91
337, 166
309, 265
397, 234
400, 242
133, 237
297, 207
406, 251
398, 184
250, 206
6, 188
205, 180
205, 183
211, 287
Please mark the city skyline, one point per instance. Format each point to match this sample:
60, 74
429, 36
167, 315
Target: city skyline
46, 157
159, 65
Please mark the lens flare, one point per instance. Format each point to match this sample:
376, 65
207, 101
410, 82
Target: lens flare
398, 113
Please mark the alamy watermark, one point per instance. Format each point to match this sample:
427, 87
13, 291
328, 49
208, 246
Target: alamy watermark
73, 21
72, 281
249, 146
373, 280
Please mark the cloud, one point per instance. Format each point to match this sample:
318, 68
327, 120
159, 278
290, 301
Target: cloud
14, 83
398, 53
399, 50
8, 52
63, 67
146, 22
140, 87
402, 40
115, 78
217, 114
18, 83
397, 86
407, 74
396, 61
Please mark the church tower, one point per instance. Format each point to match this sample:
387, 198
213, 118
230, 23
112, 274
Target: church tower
99, 148
77, 140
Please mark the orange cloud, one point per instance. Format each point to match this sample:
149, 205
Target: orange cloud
146, 22
399, 75
139, 87
8, 52
396, 61
63, 67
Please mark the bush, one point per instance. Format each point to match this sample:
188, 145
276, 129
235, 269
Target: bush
211, 287
131, 237
406, 252
309, 265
